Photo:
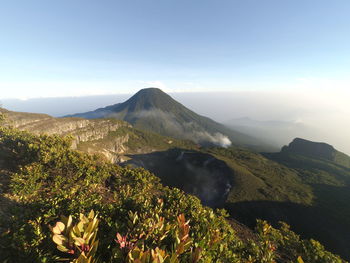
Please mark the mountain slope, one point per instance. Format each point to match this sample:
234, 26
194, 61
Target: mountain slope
327, 172
153, 110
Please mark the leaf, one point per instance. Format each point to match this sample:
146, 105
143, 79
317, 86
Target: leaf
79, 241
58, 228
62, 248
80, 227
91, 214
59, 239
69, 221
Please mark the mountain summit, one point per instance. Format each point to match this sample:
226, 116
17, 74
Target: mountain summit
150, 98
153, 110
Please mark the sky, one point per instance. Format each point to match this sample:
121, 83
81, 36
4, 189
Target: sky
279, 60
84, 47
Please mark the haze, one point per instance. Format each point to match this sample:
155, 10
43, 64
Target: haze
275, 117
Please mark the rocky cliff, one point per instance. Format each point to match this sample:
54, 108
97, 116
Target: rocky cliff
81, 130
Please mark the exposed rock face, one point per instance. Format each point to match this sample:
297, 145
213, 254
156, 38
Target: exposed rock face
112, 148
82, 130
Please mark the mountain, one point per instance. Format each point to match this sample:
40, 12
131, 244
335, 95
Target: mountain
317, 150
153, 110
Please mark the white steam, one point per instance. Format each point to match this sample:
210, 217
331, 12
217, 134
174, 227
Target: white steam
187, 130
217, 138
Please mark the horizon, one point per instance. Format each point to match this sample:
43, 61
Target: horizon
305, 114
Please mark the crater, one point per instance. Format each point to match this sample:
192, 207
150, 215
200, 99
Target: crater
196, 173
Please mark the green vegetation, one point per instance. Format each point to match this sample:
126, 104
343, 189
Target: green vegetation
77, 240
258, 178
275, 187
136, 219
330, 185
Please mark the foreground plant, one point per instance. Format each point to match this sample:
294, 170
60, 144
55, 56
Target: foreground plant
77, 240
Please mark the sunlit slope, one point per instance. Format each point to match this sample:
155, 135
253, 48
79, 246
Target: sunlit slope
108, 137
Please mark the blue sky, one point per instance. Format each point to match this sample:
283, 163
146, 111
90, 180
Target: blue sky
73, 48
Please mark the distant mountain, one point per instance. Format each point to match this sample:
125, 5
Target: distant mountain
317, 150
153, 110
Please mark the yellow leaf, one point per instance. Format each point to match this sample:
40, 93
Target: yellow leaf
58, 239
59, 228
79, 241
300, 260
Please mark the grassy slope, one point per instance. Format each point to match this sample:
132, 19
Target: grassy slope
258, 178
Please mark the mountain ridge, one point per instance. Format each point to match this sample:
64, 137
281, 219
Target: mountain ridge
317, 150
